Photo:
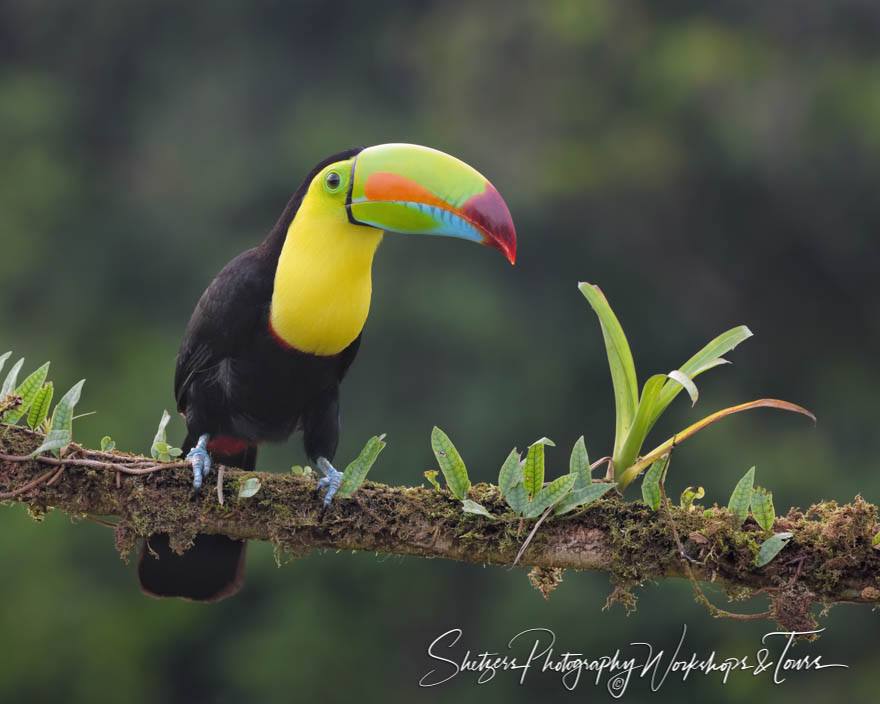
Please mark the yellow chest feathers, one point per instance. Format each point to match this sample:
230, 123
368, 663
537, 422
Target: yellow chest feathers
321, 295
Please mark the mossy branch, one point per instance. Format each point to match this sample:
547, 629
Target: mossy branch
829, 560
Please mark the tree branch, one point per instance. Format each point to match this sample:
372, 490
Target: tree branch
829, 560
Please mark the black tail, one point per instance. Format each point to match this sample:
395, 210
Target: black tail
211, 570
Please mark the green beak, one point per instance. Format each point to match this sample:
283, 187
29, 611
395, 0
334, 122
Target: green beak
417, 190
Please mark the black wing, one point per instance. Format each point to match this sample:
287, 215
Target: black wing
227, 317
346, 357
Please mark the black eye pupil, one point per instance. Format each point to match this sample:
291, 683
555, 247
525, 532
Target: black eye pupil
333, 179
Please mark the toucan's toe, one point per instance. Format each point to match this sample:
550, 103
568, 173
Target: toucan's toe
201, 461
331, 479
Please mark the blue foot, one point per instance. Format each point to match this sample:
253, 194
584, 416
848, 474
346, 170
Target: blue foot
201, 461
331, 479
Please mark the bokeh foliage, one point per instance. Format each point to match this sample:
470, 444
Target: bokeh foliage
707, 164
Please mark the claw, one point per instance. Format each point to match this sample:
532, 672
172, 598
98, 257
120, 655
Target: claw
331, 479
201, 460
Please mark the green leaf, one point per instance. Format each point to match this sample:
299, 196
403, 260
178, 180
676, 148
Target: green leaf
61, 433
107, 444
876, 540
705, 359
533, 471
549, 495
620, 361
55, 440
155, 450
638, 431
708, 356
680, 377
249, 487
579, 463
450, 463
175, 451
62, 416
689, 495
9, 383
28, 390
741, 498
582, 497
771, 547
518, 498
655, 475
161, 447
300, 470
469, 506
356, 472
762, 507
511, 473
3, 358
40, 407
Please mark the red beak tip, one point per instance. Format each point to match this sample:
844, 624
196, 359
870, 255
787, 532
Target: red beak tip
510, 247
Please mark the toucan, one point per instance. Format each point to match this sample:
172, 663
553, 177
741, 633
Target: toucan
273, 335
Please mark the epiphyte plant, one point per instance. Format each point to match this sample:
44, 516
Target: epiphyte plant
635, 415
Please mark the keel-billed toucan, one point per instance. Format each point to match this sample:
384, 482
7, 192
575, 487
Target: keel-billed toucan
273, 335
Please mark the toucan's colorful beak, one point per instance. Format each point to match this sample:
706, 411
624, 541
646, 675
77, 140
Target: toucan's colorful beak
412, 189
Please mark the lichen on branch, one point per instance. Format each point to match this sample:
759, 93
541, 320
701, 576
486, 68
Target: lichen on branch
829, 560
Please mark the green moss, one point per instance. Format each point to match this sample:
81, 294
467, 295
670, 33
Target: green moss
831, 541
36, 512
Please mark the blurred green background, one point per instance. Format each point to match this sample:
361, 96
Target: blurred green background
706, 164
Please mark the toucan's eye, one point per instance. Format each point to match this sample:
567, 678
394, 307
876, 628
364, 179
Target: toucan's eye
332, 180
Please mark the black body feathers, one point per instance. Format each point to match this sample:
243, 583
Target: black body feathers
236, 381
